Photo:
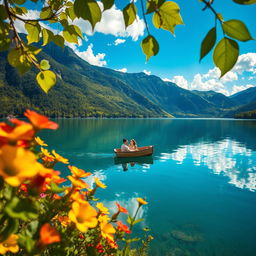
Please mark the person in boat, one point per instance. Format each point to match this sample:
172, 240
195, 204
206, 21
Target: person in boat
133, 145
125, 147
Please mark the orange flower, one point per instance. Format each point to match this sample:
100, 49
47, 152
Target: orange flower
121, 209
56, 196
40, 142
9, 245
59, 158
78, 183
102, 208
10, 134
48, 235
123, 227
141, 201
64, 220
17, 164
40, 121
78, 173
83, 215
99, 183
77, 196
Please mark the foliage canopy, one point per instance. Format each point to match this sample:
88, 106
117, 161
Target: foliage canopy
165, 15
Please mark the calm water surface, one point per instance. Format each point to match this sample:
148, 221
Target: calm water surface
200, 183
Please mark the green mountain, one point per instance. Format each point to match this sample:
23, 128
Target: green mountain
84, 90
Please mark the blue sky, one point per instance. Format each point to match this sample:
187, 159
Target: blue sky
178, 59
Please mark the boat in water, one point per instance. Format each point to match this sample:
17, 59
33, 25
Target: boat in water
142, 151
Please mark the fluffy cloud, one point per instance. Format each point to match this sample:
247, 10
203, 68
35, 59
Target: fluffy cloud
112, 23
180, 81
119, 41
147, 72
246, 63
89, 56
124, 70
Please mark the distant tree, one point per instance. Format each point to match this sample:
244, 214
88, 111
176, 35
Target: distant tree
165, 15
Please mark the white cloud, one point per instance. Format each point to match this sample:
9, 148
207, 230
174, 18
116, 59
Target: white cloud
119, 41
166, 80
239, 88
215, 74
246, 63
180, 81
147, 72
112, 23
93, 59
124, 70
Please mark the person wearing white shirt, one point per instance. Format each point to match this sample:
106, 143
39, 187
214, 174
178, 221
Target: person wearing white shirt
125, 147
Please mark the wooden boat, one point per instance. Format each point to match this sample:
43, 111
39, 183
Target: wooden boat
142, 151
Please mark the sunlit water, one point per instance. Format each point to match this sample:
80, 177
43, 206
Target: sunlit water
200, 182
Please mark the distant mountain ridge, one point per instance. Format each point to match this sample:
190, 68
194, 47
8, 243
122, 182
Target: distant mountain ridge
84, 90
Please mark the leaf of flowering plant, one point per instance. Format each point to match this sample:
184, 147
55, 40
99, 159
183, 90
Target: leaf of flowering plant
46, 79
56, 189
22, 209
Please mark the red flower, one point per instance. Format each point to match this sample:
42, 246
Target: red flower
123, 227
24, 187
49, 235
121, 209
40, 121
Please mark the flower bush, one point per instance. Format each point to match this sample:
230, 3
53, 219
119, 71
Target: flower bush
40, 216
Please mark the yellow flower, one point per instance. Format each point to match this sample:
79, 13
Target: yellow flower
47, 154
99, 183
102, 208
107, 230
83, 215
78, 173
40, 142
17, 164
9, 245
78, 183
103, 218
141, 201
59, 158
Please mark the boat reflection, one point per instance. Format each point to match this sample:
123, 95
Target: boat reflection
132, 161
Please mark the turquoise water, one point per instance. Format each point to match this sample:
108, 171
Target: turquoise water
200, 182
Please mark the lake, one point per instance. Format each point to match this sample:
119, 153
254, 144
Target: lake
200, 182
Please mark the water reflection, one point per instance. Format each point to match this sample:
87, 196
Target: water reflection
226, 157
133, 161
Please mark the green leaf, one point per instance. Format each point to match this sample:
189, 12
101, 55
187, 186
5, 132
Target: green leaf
56, 189
208, 43
245, 1
19, 2
47, 36
107, 4
225, 55
63, 16
88, 10
22, 209
149, 46
46, 13
33, 29
129, 220
19, 60
236, 29
70, 33
71, 13
10, 227
153, 5
5, 43
46, 79
3, 13
168, 16
129, 13
26, 241
58, 40
44, 65
138, 221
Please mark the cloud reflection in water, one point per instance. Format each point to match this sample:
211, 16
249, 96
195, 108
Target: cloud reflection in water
226, 157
